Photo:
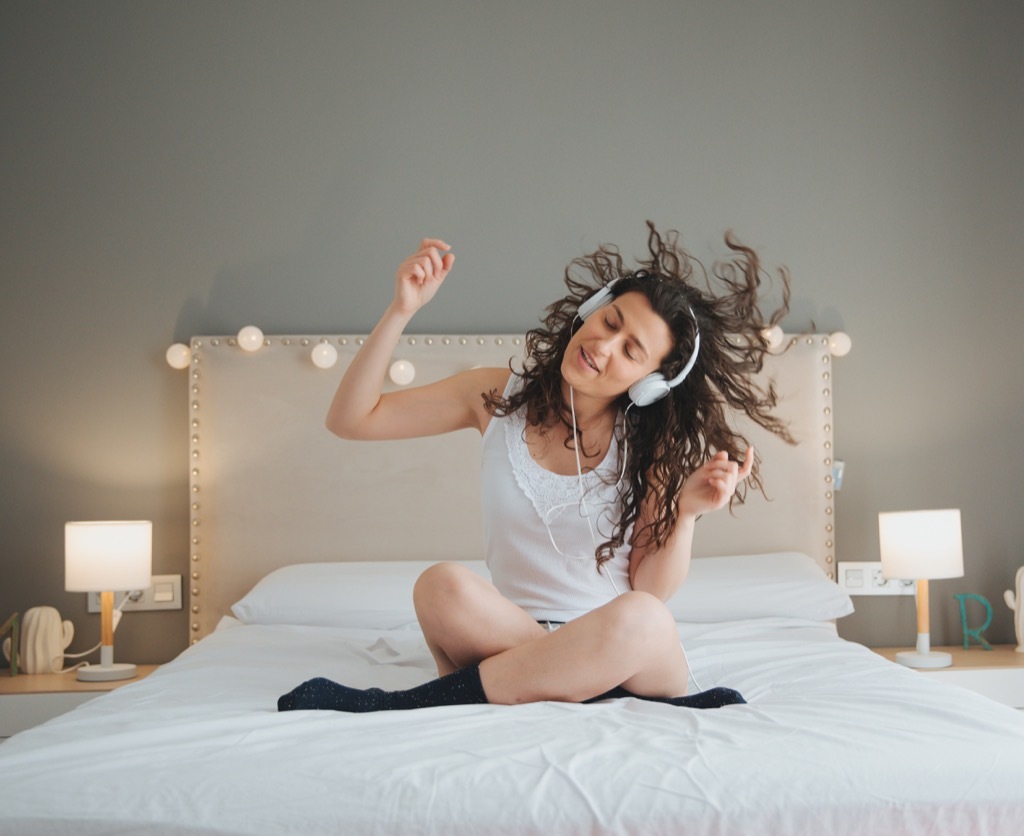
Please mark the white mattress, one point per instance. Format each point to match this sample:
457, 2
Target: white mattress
833, 740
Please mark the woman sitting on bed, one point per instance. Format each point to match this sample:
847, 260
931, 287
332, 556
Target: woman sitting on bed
598, 459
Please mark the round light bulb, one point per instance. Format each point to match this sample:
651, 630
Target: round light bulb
839, 344
324, 355
179, 356
250, 338
402, 372
773, 336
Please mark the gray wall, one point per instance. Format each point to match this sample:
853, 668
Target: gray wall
179, 168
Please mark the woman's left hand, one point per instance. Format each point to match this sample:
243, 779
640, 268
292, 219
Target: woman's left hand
712, 486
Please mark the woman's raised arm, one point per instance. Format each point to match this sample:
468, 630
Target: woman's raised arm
360, 410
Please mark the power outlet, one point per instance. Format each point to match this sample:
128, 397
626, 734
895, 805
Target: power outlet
163, 594
865, 578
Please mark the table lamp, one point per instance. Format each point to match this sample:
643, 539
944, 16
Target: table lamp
920, 545
103, 557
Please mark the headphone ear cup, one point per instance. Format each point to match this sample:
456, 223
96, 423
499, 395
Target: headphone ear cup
649, 389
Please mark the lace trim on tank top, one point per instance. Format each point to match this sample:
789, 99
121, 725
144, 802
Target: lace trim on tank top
547, 490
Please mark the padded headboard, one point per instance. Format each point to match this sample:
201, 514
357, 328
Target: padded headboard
270, 486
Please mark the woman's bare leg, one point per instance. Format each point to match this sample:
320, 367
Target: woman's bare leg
631, 641
465, 619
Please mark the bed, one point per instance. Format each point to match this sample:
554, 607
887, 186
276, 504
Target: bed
304, 552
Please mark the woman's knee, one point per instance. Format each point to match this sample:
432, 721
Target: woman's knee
447, 581
642, 618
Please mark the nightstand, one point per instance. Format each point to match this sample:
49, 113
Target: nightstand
29, 699
997, 673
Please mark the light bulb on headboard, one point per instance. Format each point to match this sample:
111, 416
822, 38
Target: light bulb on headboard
179, 356
773, 336
402, 372
839, 344
324, 355
250, 338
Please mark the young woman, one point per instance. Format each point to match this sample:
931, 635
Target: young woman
599, 457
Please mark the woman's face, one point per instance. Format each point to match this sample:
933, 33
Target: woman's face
615, 347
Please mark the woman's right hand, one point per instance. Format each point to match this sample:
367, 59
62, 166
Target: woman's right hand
421, 274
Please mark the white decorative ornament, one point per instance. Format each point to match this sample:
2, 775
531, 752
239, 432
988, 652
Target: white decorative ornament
324, 355
44, 638
839, 344
402, 372
250, 338
179, 356
1015, 601
773, 336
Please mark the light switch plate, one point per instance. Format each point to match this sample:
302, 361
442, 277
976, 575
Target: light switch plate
865, 578
163, 594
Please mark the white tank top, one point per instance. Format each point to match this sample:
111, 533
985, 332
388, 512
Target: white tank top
530, 515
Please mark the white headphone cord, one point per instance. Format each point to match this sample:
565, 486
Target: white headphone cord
579, 467
583, 492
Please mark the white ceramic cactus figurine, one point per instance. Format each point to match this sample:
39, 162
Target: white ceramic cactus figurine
1015, 601
44, 638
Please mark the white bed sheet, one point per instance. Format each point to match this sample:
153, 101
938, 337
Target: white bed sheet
834, 740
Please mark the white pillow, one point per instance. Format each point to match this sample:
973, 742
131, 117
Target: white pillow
371, 594
787, 584
378, 595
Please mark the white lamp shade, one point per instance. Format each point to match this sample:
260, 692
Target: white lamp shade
921, 544
108, 556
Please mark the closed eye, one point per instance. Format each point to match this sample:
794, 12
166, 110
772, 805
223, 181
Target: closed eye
638, 352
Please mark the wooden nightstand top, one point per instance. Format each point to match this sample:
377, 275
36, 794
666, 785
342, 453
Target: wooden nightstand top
62, 683
1000, 656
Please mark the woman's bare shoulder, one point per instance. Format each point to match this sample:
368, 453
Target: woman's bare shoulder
480, 382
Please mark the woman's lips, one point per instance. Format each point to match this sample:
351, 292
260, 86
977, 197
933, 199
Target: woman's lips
586, 362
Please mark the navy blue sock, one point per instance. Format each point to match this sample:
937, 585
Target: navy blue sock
712, 698
463, 687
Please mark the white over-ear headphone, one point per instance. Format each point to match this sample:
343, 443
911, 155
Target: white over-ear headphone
654, 386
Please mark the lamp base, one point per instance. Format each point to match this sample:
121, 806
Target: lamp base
928, 659
107, 673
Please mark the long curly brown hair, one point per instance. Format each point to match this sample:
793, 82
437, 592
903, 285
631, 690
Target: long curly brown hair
671, 438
